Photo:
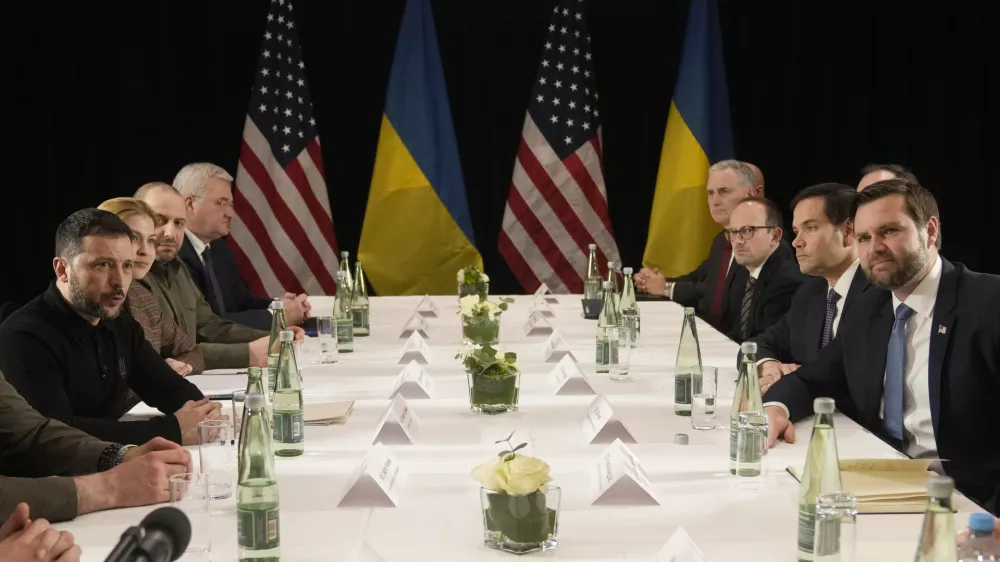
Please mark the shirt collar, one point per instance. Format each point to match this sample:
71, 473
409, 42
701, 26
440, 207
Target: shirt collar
73, 321
843, 285
924, 296
196, 244
755, 272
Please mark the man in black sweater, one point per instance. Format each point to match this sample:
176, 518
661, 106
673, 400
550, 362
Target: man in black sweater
73, 354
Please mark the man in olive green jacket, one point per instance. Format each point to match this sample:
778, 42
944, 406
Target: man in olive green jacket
225, 344
61, 472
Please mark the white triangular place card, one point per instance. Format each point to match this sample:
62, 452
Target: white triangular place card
543, 291
415, 324
416, 349
617, 479
426, 307
602, 425
537, 325
541, 307
365, 553
680, 548
567, 379
556, 348
375, 482
399, 424
413, 382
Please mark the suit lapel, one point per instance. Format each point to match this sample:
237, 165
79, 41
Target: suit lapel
858, 285
815, 317
941, 330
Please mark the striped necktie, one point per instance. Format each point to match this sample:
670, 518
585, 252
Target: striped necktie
831, 312
747, 306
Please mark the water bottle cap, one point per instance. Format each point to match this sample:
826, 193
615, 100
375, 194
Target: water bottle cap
606, 284
688, 311
344, 254
824, 405
940, 486
748, 347
592, 246
681, 439
627, 271
255, 400
278, 305
981, 523
287, 335
255, 371
611, 265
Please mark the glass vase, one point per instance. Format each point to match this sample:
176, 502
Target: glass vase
480, 330
491, 394
481, 289
521, 524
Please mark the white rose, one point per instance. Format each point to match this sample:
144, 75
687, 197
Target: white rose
461, 275
490, 474
468, 304
484, 278
525, 475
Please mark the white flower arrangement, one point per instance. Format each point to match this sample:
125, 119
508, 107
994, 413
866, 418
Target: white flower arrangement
470, 275
512, 473
473, 305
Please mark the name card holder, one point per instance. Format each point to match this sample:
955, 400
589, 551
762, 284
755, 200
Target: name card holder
426, 307
618, 479
556, 348
546, 293
416, 349
376, 482
413, 382
567, 379
602, 425
399, 424
416, 324
537, 325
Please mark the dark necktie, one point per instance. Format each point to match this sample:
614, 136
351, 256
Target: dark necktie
213, 282
715, 312
895, 376
746, 308
831, 312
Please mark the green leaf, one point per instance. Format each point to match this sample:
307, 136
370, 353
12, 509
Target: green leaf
519, 447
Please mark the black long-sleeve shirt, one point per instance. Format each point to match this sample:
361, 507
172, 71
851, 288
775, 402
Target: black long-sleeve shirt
80, 374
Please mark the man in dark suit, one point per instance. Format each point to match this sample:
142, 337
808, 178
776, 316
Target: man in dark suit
873, 173
917, 364
705, 288
824, 247
771, 277
208, 198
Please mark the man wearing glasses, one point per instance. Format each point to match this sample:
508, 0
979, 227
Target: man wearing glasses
766, 292
208, 199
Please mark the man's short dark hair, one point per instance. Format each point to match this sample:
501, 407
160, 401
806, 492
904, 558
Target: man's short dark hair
87, 222
920, 203
837, 200
773, 217
897, 170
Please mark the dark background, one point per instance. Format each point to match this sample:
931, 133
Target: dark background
100, 97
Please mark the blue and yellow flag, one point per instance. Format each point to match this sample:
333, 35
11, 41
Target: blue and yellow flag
417, 232
698, 133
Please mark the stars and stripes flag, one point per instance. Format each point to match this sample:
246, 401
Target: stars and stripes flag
283, 231
557, 203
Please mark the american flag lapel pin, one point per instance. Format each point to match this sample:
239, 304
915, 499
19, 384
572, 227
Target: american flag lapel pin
942, 330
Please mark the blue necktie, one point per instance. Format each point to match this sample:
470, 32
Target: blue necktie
213, 281
831, 312
895, 377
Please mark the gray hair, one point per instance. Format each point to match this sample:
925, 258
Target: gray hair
743, 172
192, 179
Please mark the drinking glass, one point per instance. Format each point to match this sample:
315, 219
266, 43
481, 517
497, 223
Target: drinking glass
239, 402
217, 456
836, 528
326, 334
618, 371
751, 450
189, 493
703, 398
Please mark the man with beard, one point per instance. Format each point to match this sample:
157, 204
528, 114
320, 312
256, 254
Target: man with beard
74, 357
918, 360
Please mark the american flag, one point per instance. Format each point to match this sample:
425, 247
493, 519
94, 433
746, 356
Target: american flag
283, 231
557, 203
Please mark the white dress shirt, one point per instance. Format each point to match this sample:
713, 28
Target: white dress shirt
917, 423
196, 244
842, 287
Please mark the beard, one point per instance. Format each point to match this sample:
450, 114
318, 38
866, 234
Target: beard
909, 266
83, 304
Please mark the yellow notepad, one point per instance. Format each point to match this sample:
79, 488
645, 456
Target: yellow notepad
884, 485
326, 413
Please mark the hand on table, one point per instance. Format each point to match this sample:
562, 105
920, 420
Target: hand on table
778, 424
651, 281
770, 371
191, 414
24, 540
181, 368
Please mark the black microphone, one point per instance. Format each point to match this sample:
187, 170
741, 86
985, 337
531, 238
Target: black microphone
162, 536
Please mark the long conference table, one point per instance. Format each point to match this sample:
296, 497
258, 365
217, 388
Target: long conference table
438, 515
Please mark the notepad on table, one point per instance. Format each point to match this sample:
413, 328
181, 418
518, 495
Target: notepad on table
326, 413
884, 485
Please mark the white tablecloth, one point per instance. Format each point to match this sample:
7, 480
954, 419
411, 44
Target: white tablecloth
439, 517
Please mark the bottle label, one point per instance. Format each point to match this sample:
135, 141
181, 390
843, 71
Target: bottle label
287, 427
607, 352
345, 333
272, 371
807, 527
682, 389
733, 438
360, 318
257, 529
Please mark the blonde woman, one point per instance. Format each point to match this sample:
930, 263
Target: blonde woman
182, 354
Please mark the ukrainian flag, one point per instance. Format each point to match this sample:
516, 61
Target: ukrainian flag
417, 232
698, 133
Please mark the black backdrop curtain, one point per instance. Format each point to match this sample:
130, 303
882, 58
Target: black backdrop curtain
100, 97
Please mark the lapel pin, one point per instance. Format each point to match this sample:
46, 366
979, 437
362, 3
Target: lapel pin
942, 330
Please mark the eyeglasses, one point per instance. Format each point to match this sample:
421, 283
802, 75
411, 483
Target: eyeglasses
745, 233
224, 203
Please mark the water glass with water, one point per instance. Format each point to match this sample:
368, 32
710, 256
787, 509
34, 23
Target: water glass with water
836, 526
239, 402
326, 334
703, 397
217, 456
189, 493
751, 450
619, 370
